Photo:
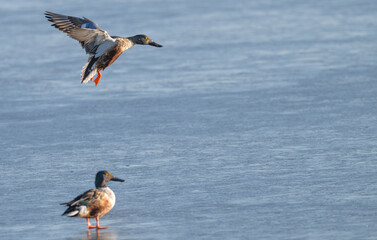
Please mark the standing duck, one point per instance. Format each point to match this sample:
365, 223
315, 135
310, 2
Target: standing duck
94, 203
102, 48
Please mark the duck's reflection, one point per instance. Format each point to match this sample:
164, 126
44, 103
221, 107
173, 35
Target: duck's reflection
96, 234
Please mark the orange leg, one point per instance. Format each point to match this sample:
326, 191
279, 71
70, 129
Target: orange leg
97, 78
89, 226
98, 226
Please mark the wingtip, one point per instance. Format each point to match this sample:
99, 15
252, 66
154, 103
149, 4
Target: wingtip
48, 13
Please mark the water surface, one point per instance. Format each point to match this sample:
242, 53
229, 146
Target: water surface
256, 120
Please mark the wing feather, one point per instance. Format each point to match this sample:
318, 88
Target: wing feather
83, 200
87, 32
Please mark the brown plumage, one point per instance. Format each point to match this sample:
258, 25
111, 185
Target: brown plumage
94, 203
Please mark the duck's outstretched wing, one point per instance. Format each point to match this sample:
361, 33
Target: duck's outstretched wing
83, 200
87, 32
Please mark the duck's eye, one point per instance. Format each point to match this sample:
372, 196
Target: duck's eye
106, 174
146, 37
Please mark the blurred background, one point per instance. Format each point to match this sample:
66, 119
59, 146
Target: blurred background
256, 120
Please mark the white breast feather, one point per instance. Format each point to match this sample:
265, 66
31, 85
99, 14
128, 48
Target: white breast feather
111, 194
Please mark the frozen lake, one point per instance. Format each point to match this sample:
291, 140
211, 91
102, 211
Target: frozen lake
256, 120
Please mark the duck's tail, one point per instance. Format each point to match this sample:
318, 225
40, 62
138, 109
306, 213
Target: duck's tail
88, 72
72, 210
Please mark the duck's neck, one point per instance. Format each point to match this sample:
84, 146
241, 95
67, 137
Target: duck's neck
100, 182
133, 39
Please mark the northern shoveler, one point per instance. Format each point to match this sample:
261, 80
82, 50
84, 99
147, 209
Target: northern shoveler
102, 48
94, 203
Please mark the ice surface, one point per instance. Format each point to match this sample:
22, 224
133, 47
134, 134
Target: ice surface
256, 120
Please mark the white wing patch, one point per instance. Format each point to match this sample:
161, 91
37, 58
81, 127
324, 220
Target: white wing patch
92, 39
106, 45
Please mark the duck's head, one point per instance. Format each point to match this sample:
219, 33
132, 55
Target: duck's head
144, 40
103, 177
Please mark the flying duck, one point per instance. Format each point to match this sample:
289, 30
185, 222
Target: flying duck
102, 48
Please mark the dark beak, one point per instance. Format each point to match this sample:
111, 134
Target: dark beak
117, 179
155, 44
